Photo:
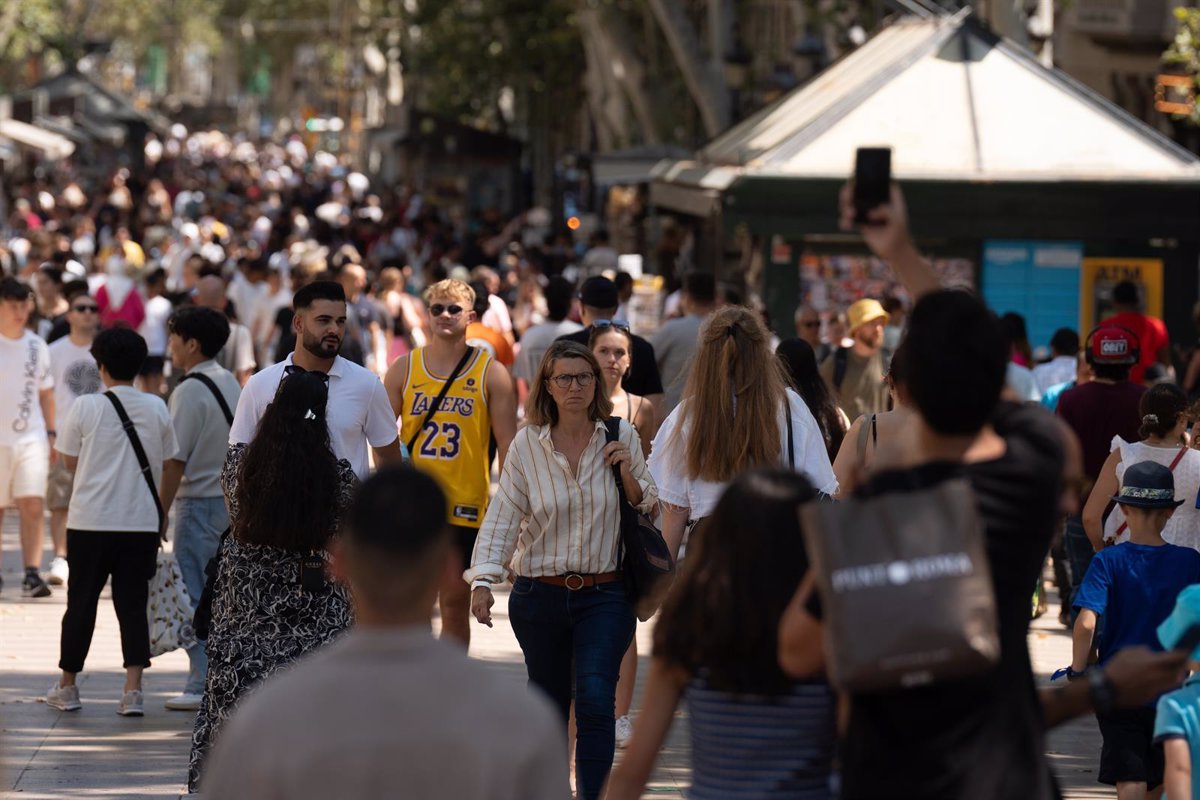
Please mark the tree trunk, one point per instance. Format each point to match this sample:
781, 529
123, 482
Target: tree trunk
622, 74
704, 81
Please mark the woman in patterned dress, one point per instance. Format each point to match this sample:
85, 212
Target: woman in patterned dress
286, 494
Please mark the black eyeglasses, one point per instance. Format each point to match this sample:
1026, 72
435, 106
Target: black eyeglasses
601, 324
88, 309
437, 309
584, 379
292, 369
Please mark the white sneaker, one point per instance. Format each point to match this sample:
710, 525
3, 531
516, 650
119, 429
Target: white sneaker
58, 572
184, 702
64, 698
131, 704
624, 731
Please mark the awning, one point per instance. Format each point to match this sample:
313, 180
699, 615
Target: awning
51, 145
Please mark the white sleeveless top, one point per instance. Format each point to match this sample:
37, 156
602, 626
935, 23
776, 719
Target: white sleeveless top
1183, 528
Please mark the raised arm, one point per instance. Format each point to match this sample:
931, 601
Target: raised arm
888, 237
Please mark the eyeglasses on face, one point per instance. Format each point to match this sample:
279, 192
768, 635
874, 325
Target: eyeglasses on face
584, 379
86, 308
437, 309
611, 323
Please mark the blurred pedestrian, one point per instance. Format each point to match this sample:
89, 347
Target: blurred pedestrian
800, 362
754, 731
273, 600
395, 554
676, 341
882, 432
737, 414
1064, 352
554, 525
1154, 344
560, 299
855, 373
113, 521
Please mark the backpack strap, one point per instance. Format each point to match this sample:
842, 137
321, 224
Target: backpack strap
212, 387
140, 453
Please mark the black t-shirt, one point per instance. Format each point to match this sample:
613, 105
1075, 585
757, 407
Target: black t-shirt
643, 377
981, 737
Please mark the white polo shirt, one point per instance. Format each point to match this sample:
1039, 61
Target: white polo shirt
358, 410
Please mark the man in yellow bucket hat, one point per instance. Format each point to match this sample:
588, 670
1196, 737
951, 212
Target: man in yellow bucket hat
855, 374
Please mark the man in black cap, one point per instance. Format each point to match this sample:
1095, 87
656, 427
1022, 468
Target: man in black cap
598, 303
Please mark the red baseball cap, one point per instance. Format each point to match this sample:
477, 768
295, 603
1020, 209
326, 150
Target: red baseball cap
1112, 344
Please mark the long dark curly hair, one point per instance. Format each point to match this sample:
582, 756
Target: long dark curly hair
721, 619
800, 363
288, 487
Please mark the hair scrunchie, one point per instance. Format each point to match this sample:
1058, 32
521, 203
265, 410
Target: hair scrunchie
1150, 419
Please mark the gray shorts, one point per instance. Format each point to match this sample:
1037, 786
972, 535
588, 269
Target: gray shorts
58, 487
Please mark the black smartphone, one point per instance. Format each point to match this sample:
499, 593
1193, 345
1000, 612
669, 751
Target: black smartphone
872, 180
312, 573
1188, 641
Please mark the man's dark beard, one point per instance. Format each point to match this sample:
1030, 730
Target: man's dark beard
317, 347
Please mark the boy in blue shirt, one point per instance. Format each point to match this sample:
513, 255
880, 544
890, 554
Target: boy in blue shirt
1177, 725
1133, 586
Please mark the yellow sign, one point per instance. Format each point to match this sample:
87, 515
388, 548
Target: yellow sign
1100, 275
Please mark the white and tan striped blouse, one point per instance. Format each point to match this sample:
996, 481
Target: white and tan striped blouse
545, 521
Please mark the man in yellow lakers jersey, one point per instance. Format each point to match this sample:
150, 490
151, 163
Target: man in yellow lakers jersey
451, 443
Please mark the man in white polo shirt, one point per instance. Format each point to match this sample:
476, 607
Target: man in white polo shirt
359, 412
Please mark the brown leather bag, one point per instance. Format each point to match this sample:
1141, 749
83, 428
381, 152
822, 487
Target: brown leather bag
905, 586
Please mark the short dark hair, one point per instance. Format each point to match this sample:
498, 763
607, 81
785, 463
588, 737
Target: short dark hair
622, 280
701, 287
318, 290
559, 293
1126, 293
482, 296
53, 272
205, 325
121, 351
72, 289
156, 276
957, 361
13, 289
1111, 372
1065, 342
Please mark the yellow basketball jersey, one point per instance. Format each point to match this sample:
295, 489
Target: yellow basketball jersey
453, 446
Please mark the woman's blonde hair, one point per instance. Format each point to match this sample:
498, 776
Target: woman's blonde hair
734, 393
540, 408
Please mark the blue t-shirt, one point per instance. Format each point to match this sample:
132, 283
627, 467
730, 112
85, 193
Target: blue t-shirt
1134, 587
1179, 715
1051, 395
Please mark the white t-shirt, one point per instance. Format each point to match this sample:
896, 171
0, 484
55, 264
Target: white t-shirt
25, 371
154, 326
75, 374
1183, 528
110, 493
358, 410
497, 317
238, 352
668, 464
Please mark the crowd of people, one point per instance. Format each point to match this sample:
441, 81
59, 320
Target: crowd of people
305, 387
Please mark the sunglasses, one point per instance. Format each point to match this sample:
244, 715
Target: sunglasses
437, 309
601, 324
88, 309
815, 324
292, 369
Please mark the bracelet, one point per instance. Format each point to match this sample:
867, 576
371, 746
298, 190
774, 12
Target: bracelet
1100, 689
1068, 673
51, 434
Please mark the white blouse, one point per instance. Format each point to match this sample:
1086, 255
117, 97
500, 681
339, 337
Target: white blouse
668, 462
544, 521
1183, 528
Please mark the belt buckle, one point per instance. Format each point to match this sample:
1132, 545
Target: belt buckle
567, 581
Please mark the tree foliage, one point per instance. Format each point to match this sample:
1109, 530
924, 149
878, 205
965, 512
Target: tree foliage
1184, 52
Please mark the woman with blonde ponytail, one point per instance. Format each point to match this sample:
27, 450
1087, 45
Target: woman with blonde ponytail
736, 415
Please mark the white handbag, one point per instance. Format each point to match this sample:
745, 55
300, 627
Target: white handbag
169, 609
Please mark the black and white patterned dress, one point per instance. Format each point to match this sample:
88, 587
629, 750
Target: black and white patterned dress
262, 620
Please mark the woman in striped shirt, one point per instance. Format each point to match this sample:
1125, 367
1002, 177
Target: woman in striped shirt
554, 526
755, 733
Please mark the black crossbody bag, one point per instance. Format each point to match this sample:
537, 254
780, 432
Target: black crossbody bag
647, 568
433, 407
212, 387
143, 460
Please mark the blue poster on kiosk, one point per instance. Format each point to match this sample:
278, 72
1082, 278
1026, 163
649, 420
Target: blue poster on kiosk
1038, 280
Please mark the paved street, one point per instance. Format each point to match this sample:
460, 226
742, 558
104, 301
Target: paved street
46, 754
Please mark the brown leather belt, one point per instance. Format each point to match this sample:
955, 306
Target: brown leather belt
574, 581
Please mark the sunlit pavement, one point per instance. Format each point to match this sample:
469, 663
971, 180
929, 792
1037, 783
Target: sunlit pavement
96, 753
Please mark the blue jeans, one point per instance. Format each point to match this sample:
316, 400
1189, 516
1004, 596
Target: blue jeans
199, 523
591, 628
1079, 558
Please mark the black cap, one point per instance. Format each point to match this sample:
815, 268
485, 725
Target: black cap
1148, 484
599, 292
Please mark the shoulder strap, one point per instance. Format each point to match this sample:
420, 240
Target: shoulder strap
433, 407
612, 433
787, 416
841, 361
212, 387
140, 453
1175, 463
